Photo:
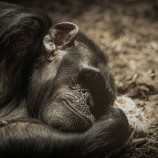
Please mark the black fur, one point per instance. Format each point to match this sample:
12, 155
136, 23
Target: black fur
25, 96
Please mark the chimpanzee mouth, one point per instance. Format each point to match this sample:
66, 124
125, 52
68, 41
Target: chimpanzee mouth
72, 110
79, 101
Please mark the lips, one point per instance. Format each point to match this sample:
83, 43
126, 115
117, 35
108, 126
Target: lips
81, 108
79, 100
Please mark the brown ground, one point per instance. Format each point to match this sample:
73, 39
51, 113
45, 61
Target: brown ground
127, 30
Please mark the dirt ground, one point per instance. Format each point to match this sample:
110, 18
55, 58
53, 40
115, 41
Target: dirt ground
127, 31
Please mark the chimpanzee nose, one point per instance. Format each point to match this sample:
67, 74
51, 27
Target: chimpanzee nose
96, 82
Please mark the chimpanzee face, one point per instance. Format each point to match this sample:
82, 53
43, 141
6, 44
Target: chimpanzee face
70, 86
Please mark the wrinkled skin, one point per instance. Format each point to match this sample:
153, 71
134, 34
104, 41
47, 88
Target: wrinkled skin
56, 90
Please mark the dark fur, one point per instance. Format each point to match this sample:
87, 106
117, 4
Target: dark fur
23, 98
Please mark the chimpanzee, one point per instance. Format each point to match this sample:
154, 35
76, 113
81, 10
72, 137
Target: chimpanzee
56, 90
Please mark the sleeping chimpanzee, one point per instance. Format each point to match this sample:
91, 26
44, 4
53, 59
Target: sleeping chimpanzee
56, 90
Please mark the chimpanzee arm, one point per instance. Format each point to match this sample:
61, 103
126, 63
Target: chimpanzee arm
35, 139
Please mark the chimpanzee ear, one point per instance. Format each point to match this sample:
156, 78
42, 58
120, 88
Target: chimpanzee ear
61, 36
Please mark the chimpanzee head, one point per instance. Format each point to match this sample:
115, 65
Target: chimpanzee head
70, 86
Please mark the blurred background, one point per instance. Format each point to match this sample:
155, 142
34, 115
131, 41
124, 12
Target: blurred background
127, 31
